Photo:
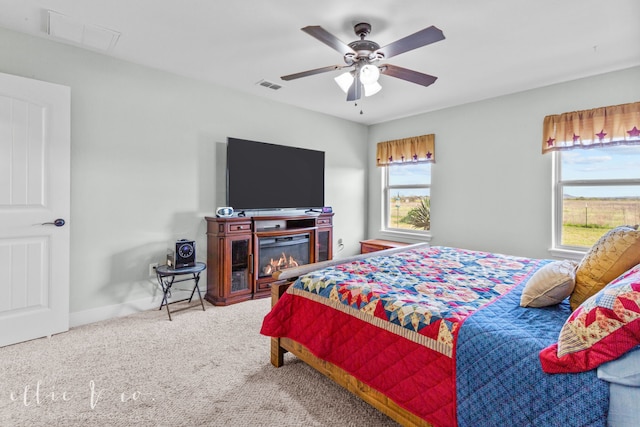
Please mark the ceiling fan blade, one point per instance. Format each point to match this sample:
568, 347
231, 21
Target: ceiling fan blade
327, 38
355, 90
311, 72
408, 75
421, 38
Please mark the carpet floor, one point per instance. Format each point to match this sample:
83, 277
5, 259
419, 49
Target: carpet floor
206, 368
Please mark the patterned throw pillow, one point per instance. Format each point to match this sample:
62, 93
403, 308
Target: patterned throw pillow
549, 285
603, 328
613, 254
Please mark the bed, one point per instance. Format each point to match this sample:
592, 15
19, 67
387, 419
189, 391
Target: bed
434, 336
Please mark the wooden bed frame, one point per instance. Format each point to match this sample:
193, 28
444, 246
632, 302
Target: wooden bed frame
280, 346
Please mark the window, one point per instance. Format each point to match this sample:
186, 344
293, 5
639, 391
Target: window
596, 189
407, 197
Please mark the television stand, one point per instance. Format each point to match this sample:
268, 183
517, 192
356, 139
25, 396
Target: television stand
235, 245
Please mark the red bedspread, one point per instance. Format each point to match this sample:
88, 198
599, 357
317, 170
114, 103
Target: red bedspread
392, 321
379, 358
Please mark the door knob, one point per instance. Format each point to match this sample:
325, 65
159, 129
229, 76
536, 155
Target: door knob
58, 222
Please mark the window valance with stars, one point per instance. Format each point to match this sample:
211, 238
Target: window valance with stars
416, 149
614, 125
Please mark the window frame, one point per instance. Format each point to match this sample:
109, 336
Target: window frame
558, 249
387, 190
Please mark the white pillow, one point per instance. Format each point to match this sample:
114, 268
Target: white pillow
550, 285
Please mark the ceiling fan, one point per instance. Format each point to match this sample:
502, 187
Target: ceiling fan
363, 55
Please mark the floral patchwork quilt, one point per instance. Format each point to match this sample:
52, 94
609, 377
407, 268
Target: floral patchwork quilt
426, 291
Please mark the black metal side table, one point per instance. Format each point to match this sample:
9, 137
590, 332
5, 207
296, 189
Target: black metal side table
167, 277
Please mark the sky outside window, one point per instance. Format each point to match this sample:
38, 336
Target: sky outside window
618, 162
410, 174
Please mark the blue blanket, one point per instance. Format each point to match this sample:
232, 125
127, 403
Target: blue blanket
497, 363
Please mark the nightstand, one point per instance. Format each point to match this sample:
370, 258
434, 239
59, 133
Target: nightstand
373, 245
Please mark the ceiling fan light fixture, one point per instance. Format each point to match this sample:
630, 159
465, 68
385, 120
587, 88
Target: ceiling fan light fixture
372, 88
344, 80
369, 74
363, 54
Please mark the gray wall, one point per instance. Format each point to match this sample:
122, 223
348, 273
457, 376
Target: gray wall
491, 186
147, 164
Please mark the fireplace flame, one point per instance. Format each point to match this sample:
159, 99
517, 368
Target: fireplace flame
281, 263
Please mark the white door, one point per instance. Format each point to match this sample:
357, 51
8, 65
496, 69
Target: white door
34, 190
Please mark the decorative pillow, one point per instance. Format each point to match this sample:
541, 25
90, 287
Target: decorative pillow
549, 285
603, 328
625, 370
613, 254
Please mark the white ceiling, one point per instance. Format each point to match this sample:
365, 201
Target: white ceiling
492, 47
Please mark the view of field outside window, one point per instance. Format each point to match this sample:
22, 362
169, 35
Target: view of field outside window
408, 196
600, 191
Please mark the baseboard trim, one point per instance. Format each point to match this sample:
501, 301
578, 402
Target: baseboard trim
98, 314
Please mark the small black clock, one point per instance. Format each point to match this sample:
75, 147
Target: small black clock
184, 255
185, 250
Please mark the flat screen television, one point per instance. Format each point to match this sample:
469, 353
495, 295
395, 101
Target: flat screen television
268, 176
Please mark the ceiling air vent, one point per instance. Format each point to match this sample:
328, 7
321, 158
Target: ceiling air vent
71, 30
269, 84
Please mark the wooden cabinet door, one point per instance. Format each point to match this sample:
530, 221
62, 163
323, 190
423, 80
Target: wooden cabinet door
238, 266
324, 249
